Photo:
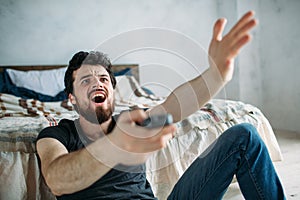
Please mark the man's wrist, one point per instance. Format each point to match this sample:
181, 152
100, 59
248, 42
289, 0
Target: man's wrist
213, 80
103, 151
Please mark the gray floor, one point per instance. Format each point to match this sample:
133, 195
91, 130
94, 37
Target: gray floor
288, 169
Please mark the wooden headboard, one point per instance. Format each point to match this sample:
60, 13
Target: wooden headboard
116, 68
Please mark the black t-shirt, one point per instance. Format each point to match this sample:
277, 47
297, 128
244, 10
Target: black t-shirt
115, 184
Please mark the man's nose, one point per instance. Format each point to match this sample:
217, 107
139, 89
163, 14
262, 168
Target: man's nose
97, 83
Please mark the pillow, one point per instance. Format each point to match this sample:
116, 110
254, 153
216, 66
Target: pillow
129, 93
6, 86
48, 85
126, 71
48, 82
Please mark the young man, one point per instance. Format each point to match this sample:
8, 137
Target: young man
98, 157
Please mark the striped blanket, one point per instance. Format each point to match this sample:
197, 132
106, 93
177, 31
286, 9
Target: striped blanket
13, 106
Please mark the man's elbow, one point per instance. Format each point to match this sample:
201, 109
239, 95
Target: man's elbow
56, 188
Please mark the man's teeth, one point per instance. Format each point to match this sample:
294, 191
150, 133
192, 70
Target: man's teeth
99, 95
99, 98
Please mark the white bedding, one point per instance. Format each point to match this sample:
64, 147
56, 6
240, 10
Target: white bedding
20, 177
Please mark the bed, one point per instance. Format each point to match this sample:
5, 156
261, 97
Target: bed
28, 106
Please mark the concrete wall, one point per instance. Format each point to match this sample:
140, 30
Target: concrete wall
43, 32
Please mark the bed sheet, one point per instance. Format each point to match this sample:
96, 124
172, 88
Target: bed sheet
21, 120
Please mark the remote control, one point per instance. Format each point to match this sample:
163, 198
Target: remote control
157, 121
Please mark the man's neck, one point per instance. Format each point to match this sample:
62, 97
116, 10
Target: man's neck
94, 131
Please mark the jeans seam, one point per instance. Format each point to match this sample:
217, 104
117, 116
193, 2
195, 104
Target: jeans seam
253, 178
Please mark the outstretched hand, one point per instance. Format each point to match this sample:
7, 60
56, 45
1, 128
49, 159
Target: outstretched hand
224, 49
132, 144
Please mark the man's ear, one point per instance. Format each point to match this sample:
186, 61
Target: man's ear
72, 99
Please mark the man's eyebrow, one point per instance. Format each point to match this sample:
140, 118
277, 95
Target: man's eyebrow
85, 76
89, 75
103, 75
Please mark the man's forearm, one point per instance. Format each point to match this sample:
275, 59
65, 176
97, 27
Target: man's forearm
75, 171
192, 95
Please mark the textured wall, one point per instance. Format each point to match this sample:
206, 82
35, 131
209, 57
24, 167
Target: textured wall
280, 50
43, 32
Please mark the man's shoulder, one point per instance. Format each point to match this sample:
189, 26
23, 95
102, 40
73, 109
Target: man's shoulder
62, 124
66, 122
63, 129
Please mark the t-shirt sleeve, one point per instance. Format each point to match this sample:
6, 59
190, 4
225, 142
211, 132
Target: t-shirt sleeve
55, 132
65, 132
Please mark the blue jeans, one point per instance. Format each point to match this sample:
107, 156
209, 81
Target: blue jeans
238, 151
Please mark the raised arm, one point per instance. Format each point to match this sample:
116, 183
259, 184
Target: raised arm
192, 95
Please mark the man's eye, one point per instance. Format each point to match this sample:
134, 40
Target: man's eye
103, 80
85, 81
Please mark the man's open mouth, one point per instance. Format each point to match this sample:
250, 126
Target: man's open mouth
99, 98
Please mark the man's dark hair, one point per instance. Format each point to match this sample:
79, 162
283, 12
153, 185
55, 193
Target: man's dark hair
89, 58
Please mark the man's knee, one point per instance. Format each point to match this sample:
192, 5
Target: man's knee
243, 131
251, 135
246, 128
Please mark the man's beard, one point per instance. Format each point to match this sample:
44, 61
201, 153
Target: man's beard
97, 116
